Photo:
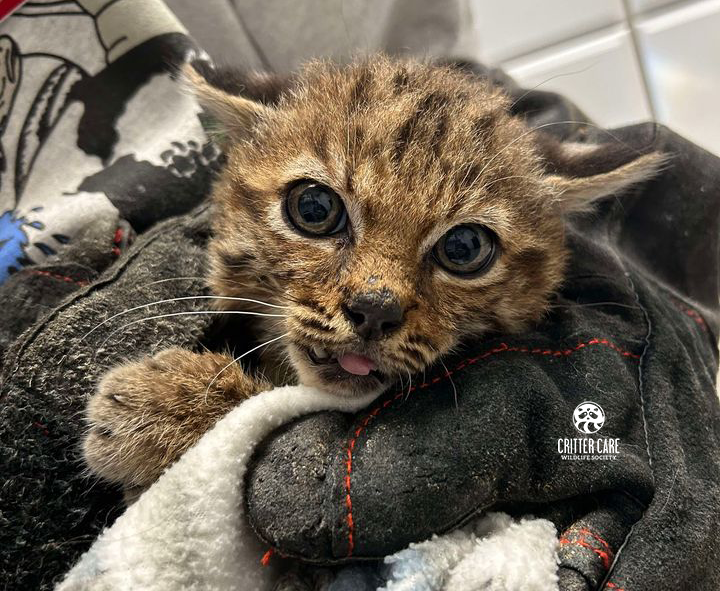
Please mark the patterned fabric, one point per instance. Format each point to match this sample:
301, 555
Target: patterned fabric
93, 126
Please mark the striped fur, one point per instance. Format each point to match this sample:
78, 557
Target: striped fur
413, 149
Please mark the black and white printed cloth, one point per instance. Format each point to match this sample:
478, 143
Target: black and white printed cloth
96, 140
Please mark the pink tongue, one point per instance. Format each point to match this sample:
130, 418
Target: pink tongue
358, 365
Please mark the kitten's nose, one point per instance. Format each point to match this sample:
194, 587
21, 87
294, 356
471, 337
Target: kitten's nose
374, 314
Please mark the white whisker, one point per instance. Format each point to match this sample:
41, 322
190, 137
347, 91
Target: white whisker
179, 299
409, 391
592, 304
447, 372
190, 313
285, 363
449, 375
533, 129
561, 75
236, 359
171, 279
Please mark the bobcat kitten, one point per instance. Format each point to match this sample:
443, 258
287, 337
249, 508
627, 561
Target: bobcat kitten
393, 208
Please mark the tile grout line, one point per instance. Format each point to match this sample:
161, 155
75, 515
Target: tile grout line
639, 58
663, 9
594, 34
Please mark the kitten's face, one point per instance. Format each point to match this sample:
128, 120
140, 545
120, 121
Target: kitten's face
394, 209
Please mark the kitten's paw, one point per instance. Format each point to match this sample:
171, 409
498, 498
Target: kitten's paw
145, 414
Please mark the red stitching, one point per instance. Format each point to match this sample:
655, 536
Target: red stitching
588, 532
605, 554
64, 278
699, 320
503, 348
265, 560
117, 241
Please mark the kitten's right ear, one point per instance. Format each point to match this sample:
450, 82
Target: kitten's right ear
233, 116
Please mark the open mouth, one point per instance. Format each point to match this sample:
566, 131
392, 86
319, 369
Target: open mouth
344, 365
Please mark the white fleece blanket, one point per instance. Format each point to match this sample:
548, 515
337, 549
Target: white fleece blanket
189, 531
494, 553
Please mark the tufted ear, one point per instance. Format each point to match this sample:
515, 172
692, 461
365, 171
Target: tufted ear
581, 174
232, 116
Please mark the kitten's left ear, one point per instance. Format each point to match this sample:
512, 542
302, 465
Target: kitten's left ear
582, 174
234, 115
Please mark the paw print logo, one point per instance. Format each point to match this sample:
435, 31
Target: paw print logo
588, 417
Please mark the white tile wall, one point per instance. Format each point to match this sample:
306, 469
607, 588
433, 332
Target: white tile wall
581, 70
621, 61
642, 6
509, 28
681, 54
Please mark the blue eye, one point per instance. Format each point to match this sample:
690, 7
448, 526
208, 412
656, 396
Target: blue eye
465, 249
316, 209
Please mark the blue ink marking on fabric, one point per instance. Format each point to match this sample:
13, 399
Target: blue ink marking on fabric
13, 241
